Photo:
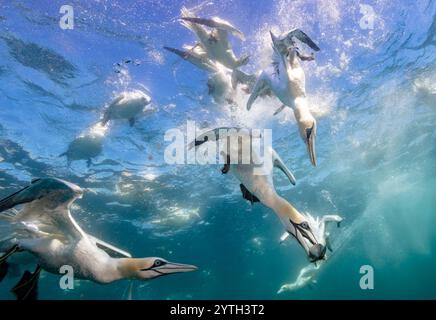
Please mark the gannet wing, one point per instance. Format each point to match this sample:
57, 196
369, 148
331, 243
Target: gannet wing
46, 206
192, 57
217, 23
196, 50
278, 163
111, 250
54, 192
303, 37
201, 33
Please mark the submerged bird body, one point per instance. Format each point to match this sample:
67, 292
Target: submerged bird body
84, 147
285, 78
128, 105
257, 184
221, 81
215, 43
45, 228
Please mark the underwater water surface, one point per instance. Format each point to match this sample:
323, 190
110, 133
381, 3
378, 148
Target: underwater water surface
372, 89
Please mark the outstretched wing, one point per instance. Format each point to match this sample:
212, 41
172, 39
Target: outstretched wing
217, 23
278, 163
54, 192
303, 37
111, 250
46, 207
194, 57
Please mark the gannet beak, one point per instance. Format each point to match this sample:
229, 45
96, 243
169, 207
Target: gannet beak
206, 22
172, 267
304, 235
317, 252
310, 141
180, 53
273, 37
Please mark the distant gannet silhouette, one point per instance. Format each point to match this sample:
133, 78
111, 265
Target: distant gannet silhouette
84, 147
45, 229
128, 105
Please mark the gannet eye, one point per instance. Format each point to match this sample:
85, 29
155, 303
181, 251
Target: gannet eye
159, 263
304, 225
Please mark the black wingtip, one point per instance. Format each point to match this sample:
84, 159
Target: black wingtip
4, 268
27, 287
10, 201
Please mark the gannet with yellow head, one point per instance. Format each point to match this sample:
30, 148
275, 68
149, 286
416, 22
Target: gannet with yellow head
285, 78
215, 42
257, 185
45, 228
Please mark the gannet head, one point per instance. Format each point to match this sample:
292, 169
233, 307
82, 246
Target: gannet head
287, 39
278, 46
307, 235
306, 127
150, 268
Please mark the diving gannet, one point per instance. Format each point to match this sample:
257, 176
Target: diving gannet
257, 185
286, 79
128, 105
45, 228
221, 82
215, 43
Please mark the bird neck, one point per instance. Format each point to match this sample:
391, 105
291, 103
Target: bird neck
286, 211
116, 269
301, 109
127, 267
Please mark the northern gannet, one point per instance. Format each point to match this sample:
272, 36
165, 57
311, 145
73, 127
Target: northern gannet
45, 228
221, 82
84, 147
87, 145
286, 80
257, 185
215, 43
128, 105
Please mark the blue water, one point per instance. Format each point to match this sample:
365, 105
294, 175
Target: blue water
373, 91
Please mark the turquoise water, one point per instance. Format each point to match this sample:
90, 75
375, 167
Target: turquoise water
372, 90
